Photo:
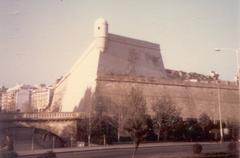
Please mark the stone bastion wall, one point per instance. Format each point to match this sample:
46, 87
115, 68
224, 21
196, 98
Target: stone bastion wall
191, 98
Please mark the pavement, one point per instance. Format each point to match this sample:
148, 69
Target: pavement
175, 146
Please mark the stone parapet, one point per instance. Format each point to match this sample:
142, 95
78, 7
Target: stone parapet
42, 116
159, 81
134, 42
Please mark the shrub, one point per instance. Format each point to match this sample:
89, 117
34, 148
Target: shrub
197, 148
49, 154
8, 154
233, 147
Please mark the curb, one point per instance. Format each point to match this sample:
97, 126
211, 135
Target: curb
86, 149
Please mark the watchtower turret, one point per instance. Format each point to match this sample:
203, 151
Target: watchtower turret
100, 33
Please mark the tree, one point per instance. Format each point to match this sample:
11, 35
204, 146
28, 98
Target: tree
103, 129
193, 129
3, 89
82, 130
165, 116
99, 127
136, 119
206, 124
7, 144
234, 128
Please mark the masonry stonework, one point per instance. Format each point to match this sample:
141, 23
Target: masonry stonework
192, 99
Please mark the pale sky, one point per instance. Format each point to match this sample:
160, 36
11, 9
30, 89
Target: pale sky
41, 39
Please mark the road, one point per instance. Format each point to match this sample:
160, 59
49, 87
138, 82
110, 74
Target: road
143, 152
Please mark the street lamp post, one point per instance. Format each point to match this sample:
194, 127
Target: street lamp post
238, 71
238, 80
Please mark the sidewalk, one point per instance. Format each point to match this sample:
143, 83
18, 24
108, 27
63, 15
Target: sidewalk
109, 147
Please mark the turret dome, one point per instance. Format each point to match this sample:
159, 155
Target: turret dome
101, 28
101, 21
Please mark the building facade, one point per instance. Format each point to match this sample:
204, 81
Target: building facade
41, 98
17, 98
2, 91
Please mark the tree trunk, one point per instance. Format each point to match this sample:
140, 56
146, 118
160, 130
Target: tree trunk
104, 139
165, 135
134, 152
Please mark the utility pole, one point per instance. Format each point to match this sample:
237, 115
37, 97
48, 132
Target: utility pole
119, 122
53, 142
33, 131
220, 112
89, 129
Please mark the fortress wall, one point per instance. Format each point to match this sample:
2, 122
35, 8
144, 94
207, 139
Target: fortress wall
113, 64
127, 56
192, 99
59, 92
80, 79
